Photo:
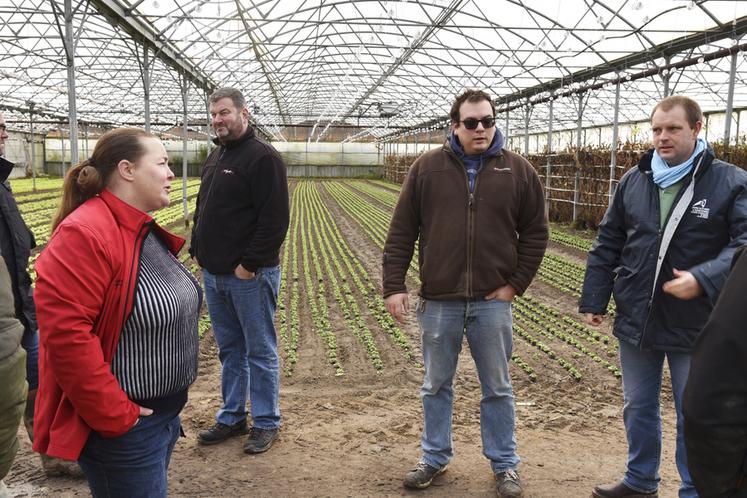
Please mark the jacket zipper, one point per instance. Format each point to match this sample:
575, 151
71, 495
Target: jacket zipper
139, 242
657, 204
470, 231
198, 225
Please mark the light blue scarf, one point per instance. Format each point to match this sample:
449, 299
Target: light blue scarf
666, 175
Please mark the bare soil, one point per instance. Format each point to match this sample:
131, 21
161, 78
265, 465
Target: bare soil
358, 434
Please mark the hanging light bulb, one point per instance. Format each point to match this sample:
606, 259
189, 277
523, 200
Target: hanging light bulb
637, 5
691, 5
156, 5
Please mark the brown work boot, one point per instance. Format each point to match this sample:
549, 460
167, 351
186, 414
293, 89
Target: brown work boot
56, 467
620, 490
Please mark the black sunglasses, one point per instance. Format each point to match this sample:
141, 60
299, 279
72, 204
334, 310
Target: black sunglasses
471, 123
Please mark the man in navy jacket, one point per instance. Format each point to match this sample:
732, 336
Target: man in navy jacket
663, 250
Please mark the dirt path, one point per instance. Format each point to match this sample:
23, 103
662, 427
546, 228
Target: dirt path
343, 438
358, 434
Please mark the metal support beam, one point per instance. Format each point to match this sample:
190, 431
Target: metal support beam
734, 29
118, 16
527, 114
184, 84
730, 102
62, 142
736, 133
443, 18
549, 160
506, 134
145, 73
580, 117
33, 146
613, 146
268, 72
69, 43
666, 75
208, 123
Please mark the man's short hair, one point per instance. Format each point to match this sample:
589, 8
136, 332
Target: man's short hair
469, 96
692, 109
235, 95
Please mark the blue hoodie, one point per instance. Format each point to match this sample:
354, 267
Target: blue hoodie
473, 163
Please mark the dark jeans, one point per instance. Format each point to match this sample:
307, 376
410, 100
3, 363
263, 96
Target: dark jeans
135, 464
30, 342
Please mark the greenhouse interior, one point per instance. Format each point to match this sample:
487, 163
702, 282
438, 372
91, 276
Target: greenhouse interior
351, 93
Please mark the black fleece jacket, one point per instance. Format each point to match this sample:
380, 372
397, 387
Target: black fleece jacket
242, 207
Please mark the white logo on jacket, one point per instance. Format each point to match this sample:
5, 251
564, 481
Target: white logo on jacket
227, 172
700, 210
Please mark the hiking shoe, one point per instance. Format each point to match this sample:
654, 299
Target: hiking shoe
509, 484
620, 490
220, 432
422, 476
260, 440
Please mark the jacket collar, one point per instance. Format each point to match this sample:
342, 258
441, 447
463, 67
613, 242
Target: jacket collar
132, 219
249, 134
448, 148
644, 164
5, 168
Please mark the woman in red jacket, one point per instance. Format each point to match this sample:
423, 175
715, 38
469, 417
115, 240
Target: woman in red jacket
117, 319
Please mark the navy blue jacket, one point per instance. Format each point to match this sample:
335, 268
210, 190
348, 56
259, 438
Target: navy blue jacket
622, 261
16, 242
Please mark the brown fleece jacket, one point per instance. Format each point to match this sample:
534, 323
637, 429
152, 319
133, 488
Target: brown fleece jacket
470, 244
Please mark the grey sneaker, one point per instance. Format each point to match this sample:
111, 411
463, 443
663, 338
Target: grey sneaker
260, 440
422, 476
509, 484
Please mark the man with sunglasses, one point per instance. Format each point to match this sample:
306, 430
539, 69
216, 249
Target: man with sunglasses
478, 212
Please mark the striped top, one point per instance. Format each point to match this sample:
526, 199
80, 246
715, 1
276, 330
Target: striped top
157, 352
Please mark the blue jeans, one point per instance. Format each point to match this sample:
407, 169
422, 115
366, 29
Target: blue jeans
133, 465
487, 325
242, 313
642, 376
30, 342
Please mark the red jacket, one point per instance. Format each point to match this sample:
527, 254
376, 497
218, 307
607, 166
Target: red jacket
84, 293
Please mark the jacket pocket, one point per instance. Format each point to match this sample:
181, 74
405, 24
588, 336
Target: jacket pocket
627, 291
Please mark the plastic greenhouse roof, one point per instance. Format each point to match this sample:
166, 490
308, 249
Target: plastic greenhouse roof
383, 66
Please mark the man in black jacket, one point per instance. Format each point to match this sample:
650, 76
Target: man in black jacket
715, 400
663, 249
239, 225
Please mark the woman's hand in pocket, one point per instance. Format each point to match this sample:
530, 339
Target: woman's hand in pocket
144, 412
